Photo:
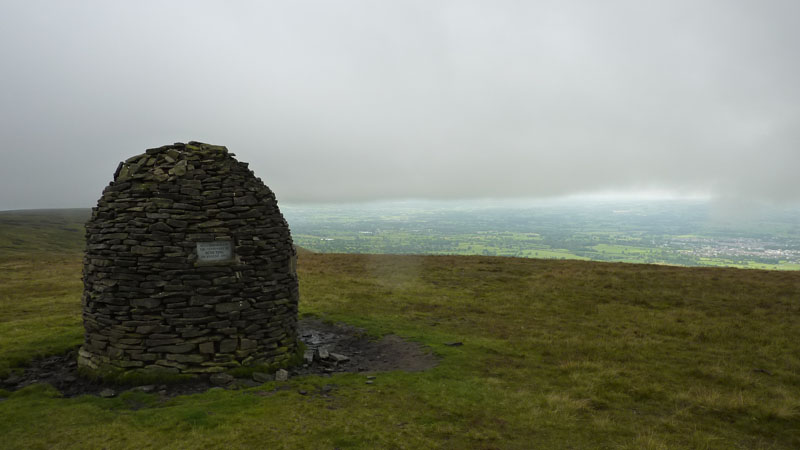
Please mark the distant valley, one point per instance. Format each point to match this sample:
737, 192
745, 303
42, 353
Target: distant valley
687, 233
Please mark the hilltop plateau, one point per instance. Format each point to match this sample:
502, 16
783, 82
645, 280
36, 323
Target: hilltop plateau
531, 353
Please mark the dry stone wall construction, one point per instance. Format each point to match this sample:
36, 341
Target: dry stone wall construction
189, 267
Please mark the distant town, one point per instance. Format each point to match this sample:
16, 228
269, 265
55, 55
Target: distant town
745, 249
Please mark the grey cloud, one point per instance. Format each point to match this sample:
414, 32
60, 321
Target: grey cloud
363, 100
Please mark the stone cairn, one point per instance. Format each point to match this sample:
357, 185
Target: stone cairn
189, 267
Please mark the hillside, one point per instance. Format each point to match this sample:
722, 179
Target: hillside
45, 230
533, 354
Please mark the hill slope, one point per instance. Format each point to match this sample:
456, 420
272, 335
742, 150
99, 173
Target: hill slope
45, 230
553, 354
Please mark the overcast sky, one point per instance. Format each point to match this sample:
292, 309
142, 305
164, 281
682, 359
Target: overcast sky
366, 100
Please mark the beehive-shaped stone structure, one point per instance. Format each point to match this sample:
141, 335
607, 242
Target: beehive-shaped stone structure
189, 267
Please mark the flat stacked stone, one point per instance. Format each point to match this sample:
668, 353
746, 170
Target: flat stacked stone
155, 300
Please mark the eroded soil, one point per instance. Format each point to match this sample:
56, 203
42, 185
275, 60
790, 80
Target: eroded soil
363, 355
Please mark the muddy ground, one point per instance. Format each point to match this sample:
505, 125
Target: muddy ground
360, 353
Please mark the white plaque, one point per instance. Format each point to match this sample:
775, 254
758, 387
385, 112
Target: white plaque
214, 251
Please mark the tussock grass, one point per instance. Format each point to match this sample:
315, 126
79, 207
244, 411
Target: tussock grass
555, 354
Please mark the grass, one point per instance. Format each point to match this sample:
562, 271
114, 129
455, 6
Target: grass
39, 306
556, 354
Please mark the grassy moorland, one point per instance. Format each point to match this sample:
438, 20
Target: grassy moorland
40, 283
555, 354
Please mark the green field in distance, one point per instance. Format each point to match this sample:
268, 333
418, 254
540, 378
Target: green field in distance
687, 233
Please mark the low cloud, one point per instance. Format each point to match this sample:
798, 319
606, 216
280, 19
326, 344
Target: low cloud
360, 100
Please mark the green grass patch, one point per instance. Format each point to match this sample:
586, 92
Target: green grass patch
38, 293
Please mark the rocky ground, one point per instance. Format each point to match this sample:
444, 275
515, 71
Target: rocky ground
331, 348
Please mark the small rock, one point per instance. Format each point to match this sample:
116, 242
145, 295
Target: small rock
370, 381
322, 353
339, 357
281, 375
247, 383
70, 379
221, 379
146, 388
454, 344
107, 393
308, 356
12, 380
262, 377
302, 392
371, 377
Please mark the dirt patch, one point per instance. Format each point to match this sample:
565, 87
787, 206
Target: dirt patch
332, 348
389, 353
